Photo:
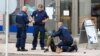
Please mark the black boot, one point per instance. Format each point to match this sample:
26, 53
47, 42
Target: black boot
23, 49
18, 49
75, 47
33, 48
72, 48
42, 48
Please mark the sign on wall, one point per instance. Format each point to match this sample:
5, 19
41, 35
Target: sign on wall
66, 12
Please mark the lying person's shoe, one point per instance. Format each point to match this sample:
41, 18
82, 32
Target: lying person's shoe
33, 49
46, 50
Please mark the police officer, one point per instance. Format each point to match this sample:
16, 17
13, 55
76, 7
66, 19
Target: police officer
22, 21
66, 44
40, 17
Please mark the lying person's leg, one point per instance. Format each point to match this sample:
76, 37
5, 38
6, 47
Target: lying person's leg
50, 42
52, 45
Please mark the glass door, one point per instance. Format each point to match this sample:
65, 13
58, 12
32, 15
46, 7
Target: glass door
50, 9
65, 12
95, 12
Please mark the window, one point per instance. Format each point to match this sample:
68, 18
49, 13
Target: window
65, 12
1, 22
95, 12
30, 5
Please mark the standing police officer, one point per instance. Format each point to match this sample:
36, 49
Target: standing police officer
22, 21
40, 17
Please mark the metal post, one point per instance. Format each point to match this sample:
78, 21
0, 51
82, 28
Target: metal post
4, 23
57, 12
74, 18
57, 16
21, 4
7, 26
44, 4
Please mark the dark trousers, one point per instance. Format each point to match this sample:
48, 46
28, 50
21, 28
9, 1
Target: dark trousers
52, 45
21, 37
36, 30
65, 46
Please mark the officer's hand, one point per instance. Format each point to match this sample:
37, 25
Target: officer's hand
53, 31
30, 20
44, 21
50, 33
33, 22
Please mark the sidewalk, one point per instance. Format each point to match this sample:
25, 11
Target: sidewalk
81, 52
2, 44
2, 49
12, 50
2, 38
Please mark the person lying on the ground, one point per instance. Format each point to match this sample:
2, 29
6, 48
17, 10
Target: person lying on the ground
66, 44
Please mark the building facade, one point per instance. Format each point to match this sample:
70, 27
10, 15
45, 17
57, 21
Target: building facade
71, 12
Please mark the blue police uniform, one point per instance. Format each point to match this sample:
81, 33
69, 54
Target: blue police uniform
65, 36
22, 21
39, 26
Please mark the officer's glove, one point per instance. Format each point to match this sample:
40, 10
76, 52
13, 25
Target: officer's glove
50, 33
53, 31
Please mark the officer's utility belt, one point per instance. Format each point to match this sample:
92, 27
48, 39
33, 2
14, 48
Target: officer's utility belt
21, 25
40, 24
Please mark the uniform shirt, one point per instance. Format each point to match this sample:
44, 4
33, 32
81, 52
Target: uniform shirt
63, 34
39, 16
22, 18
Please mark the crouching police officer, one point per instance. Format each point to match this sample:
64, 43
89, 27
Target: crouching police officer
66, 44
40, 17
22, 21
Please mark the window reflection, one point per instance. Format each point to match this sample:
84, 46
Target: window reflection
95, 12
30, 5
